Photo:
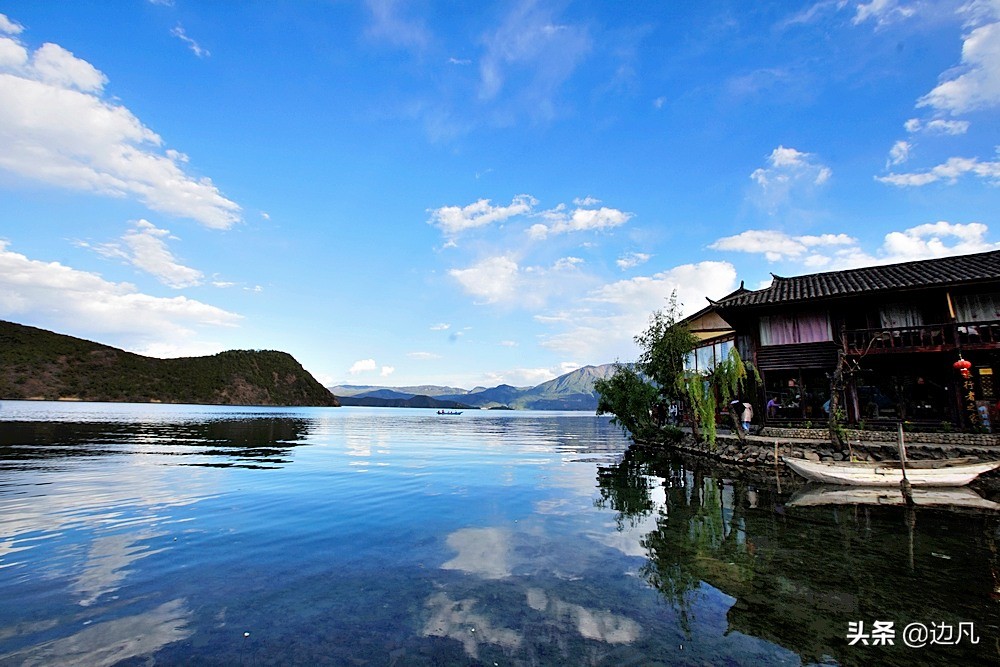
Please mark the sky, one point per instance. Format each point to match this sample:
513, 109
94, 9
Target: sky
470, 194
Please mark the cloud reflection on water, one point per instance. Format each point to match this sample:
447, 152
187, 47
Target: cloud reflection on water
111, 642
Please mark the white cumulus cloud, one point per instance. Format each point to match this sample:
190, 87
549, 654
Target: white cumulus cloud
362, 366
579, 220
57, 296
456, 219
57, 126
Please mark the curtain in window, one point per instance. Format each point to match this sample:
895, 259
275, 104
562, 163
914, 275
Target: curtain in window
897, 315
791, 329
813, 328
777, 330
977, 308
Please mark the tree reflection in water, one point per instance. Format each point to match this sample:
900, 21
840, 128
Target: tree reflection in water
800, 576
242, 442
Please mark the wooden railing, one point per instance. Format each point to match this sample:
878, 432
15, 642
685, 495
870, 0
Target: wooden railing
928, 337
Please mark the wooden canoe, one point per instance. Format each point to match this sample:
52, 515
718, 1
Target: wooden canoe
954, 472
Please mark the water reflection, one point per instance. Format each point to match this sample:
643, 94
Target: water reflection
110, 642
798, 576
244, 442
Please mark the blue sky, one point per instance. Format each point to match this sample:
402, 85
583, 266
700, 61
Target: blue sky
472, 193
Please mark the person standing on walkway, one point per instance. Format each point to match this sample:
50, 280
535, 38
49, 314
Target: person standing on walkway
747, 416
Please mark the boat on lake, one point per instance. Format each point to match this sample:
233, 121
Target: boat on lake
948, 472
924, 496
449, 412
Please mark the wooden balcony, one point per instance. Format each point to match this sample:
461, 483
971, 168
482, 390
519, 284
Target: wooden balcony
925, 338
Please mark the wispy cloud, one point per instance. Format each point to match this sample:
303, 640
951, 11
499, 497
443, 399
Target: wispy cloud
937, 126
632, 260
57, 127
178, 32
145, 247
529, 56
949, 172
390, 26
789, 172
883, 12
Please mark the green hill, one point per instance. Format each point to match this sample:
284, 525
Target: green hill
42, 365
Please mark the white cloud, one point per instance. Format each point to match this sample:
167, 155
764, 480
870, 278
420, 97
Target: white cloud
581, 219
423, 356
632, 260
144, 248
529, 56
789, 172
456, 219
441, 327
9, 27
519, 377
978, 86
882, 12
507, 343
777, 245
66, 299
390, 27
900, 152
937, 126
838, 251
387, 371
362, 366
492, 280
501, 280
178, 32
614, 313
953, 169
57, 127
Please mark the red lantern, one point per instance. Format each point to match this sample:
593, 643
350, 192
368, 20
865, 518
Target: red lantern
962, 366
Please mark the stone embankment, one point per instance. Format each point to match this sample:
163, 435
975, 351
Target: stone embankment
814, 444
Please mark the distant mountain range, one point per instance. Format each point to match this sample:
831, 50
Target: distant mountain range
572, 391
43, 365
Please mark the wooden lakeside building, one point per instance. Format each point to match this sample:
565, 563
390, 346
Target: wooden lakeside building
899, 328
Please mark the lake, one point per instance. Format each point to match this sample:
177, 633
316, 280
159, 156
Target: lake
160, 534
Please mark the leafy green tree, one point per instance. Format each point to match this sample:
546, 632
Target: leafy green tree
663, 345
629, 399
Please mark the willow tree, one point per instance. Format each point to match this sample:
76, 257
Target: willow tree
706, 392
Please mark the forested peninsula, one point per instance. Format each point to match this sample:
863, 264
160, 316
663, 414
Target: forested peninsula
36, 364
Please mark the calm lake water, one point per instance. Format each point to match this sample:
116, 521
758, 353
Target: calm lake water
154, 534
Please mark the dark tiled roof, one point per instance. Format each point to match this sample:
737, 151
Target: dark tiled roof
940, 272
